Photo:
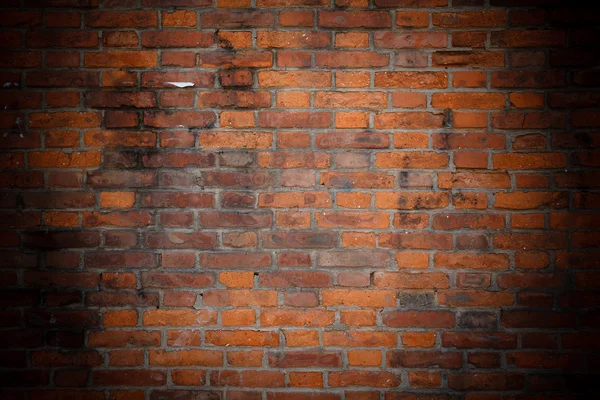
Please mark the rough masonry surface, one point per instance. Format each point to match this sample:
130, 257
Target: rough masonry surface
299, 200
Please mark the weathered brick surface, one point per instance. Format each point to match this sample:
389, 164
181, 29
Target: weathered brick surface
299, 199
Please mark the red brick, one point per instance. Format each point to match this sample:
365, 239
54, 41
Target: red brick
185, 358
242, 338
64, 39
528, 79
296, 18
136, 377
419, 319
411, 79
296, 39
351, 59
240, 19
178, 18
179, 318
117, 59
381, 379
475, 39
166, 80
470, 19
121, 19
485, 381
241, 59
410, 40
528, 38
354, 19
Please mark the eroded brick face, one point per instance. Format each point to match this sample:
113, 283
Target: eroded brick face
299, 199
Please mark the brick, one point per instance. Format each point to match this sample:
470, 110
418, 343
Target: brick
486, 381
230, 99
351, 259
527, 79
472, 39
410, 59
65, 120
245, 358
423, 359
235, 78
412, 19
178, 318
234, 40
306, 380
295, 279
468, 100
418, 339
185, 358
157, 80
22, 18
411, 79
236, 260
364, 358
21, 59
109, 100
138, 377
357, 180
123, 338
359, 339
294, 79
410, 40
241, 59
239, 19
531, 200
163, 39
239, 298
420, 319
354, 19
191, 119
117, 59
363, 378
292, 200
63, 39
352, 39
295, 18
475, 298
350, 99
470, 19
402, 280
423, 160
351, 59
468, 59
118, 78
304, 359
529, 160
301, 338
293, 317
296, 39
293, 160
526, 100
411, 3
361, 298
351, 120
352, 220
178, 18
528, 38
407, 201
121, 19
351, 79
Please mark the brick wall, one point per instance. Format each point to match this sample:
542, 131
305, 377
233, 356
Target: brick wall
351, 199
